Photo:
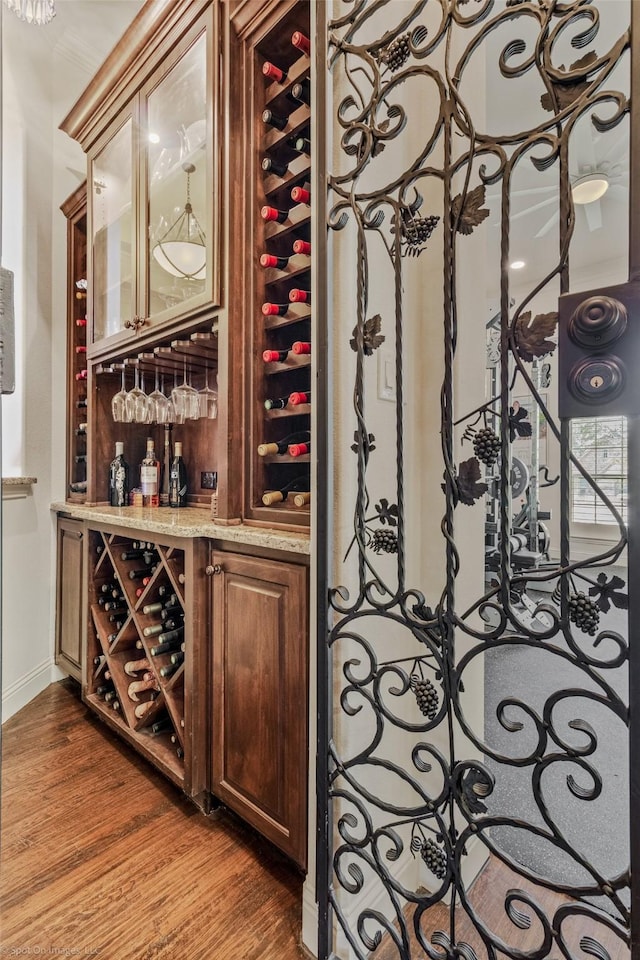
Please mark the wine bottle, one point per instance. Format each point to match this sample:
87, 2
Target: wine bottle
80, 458
153, 630
132, 667
177, 657
300, 499
81, 294
274, 309
166, 468
302, 145
299, 396
81, 348
173, 623
171, 612
110, 695
296, 295
78, 487
80, 404
275, 356
281, 446
98, 661
302, 246
276, 403
178, 479
152, 608
161, 725
301, 42
81, 375
301, 347
140, 686
269, 260
107, 587
271, 497
168, 669
301, 195
274, 119
273, 215
115, 705
119, 478
298, 449
115, 607
150, 476
132, 554
269, 165
81, 430
272, 72
104, 689
302, 91
81, 322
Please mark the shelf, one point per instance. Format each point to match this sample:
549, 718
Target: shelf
295, 314
295, 363
299, 220
301, 409
297, 124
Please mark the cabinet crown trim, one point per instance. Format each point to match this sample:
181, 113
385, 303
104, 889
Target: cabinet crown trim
129, 64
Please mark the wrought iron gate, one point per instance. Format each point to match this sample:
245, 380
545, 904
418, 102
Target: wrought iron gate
451, 794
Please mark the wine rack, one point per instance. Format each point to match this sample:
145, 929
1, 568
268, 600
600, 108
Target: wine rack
136, 668
280, 218
75, 210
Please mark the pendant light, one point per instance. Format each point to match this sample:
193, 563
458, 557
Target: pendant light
33, 11
181, 251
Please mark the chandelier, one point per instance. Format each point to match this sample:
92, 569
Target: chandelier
33, 11
181, 250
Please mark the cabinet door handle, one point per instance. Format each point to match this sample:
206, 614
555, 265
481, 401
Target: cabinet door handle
213, 568
135, 323
80, 535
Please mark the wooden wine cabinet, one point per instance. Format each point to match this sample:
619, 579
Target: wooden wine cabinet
75, 210
268, 40
114, 645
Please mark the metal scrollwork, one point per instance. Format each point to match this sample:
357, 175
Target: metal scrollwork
402, 655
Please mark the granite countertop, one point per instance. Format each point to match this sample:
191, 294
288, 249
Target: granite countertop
188, 522
18, 481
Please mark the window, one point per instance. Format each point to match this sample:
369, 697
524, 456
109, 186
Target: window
600, 444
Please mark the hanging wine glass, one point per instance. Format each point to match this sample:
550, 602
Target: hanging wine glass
185, 398
132, 399
158, 403
141, 411
208, 398
118, 402
175, 414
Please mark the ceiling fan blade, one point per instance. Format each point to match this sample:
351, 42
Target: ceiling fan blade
536, 206
544, 230
582, 152
529, 192
593, 213
619, 147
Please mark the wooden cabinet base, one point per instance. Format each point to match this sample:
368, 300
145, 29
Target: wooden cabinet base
69, 597
260, 681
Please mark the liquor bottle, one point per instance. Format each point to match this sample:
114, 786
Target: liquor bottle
119, 478
81, 375
272, 72
269, 165
150, 476
301, 195
178, 479
302, 145
166, 467
269, 260
274, 119
302, 91
273, 215
271, 497
299, 396
302, 246
274, 309
301, 42
281, 446
298, 449
132, 667
296, 295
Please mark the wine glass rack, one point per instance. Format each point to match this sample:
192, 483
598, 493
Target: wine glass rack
280, 217
138, 644
75, 210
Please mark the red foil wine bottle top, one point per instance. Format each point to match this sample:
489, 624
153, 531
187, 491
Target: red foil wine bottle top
268, 260
272, 356
299, 296
302, 246
300, 195
271, 309
299, 449
300, 346
272, 72
272, 214
299, 397
301, 42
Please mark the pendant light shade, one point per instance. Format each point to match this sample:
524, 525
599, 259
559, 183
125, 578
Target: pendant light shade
181, 251
33, 11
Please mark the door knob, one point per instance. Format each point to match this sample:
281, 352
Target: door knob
213, 568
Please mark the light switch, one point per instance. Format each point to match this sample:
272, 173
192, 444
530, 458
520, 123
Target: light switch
386, 375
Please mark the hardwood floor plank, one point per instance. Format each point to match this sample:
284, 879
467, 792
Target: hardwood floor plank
100, 853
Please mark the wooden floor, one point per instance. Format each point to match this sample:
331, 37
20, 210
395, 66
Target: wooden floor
101, 856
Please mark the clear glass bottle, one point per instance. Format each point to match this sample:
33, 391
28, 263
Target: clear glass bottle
150, 476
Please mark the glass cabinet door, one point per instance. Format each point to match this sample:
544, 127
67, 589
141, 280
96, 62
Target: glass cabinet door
113, 234
178, 186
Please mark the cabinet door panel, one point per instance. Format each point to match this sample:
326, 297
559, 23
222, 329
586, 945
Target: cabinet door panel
69, 596
260, 696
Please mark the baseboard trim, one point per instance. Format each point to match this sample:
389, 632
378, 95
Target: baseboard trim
309, 941
19, 693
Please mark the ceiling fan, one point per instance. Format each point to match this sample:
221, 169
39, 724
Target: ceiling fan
599, 168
